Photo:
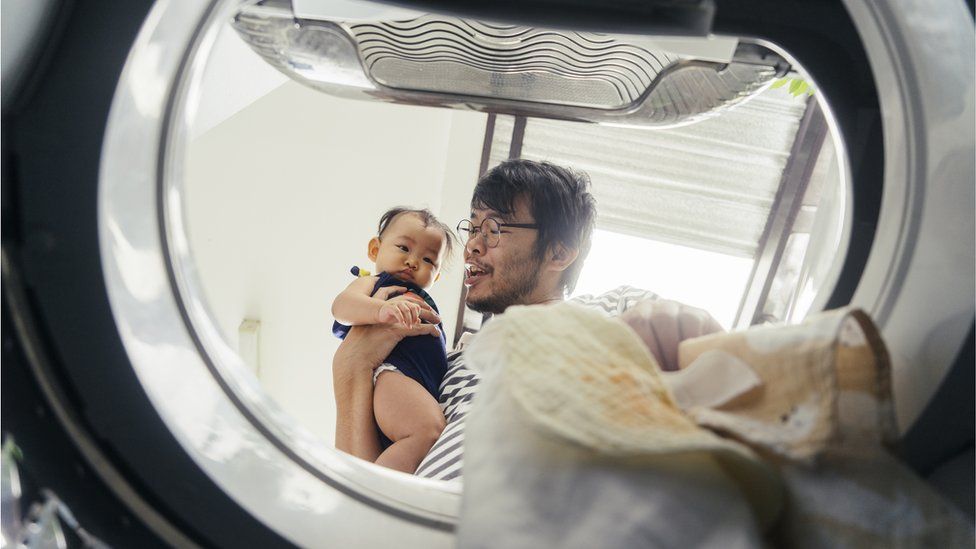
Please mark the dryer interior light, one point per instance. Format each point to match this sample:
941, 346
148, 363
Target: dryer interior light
464, 63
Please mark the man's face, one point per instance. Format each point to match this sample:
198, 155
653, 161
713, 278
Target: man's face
506, 274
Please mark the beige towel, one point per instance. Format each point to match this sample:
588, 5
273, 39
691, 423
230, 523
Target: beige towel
589, 379
822, 383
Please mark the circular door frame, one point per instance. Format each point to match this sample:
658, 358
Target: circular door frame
201, 388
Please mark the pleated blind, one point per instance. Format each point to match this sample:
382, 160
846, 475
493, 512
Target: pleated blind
709, 185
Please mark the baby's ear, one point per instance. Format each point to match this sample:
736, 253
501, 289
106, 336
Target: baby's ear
437, 277
374, 248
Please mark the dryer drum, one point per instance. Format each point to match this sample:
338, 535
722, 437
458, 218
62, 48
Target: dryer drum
101, 328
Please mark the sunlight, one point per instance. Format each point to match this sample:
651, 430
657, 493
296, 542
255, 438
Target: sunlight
712, 281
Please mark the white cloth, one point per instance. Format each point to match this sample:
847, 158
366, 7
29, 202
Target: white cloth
445, 460
385, 367
559, 472
524, 489
576, 440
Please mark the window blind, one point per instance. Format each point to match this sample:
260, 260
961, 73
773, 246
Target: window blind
709, 185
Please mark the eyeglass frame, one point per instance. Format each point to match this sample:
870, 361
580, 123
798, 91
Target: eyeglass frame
485, 234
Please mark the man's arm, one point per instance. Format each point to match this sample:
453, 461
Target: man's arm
362, 351
663, 324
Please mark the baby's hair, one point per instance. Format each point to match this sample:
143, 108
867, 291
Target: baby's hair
428, 219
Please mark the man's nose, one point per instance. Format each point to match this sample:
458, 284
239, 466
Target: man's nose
475, 245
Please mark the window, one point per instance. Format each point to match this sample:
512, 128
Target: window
719, 214
709, 280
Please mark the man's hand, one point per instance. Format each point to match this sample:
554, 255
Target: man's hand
363, 350
663, 324
365, 347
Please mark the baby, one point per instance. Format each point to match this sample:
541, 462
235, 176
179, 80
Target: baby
408, 253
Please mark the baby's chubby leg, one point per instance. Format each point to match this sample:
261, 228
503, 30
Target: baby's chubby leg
409, 416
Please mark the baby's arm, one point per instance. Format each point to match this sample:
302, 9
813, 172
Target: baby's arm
354, 306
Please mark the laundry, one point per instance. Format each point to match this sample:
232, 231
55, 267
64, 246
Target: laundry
823, 383
572, 430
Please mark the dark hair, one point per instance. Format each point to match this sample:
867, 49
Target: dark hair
428, 219
559, 200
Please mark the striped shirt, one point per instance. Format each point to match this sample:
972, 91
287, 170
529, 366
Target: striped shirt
460, 384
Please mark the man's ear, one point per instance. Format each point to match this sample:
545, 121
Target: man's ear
374, 248
562, 257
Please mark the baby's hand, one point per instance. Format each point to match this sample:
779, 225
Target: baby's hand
401, 310
388, 292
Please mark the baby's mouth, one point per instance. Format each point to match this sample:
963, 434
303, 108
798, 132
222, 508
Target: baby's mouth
404, 275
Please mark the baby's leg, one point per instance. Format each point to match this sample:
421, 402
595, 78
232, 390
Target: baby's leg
409, 416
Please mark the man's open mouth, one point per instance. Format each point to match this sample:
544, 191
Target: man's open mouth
474, 274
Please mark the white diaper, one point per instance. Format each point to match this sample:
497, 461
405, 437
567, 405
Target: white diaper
385, 367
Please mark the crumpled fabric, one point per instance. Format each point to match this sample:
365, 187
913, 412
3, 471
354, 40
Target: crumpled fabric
823, 383
577, 439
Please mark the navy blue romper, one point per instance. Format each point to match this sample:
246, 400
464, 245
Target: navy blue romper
421, 358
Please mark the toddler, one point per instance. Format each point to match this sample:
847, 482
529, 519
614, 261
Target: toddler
408, 252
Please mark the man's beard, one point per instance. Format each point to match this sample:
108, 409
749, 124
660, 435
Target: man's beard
516, 287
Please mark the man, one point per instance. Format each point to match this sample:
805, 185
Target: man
527, 237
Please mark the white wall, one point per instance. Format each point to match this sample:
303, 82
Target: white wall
233, 78
281, 199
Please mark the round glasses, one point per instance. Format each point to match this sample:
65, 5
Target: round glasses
490, 229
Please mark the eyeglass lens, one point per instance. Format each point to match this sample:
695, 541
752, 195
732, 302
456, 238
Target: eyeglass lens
489, 228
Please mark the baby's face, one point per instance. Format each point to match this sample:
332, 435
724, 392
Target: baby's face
411, 251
